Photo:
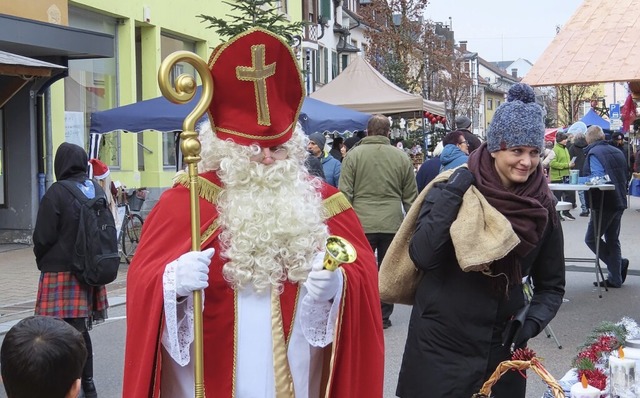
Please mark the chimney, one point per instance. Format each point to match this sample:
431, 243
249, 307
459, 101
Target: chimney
514, 72
463, 46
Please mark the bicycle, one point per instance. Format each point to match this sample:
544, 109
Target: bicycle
131, 226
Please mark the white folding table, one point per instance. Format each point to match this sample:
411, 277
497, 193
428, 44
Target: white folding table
596, 215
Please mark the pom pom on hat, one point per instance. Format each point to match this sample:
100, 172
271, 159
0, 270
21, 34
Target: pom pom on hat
98, 169
517, 122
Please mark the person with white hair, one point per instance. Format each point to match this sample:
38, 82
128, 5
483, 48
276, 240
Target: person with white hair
576, 150
275, 322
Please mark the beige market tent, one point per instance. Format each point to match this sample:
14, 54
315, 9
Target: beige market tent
599, 43
362, 88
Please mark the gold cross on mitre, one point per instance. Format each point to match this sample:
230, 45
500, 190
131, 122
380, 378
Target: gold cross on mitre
258, 74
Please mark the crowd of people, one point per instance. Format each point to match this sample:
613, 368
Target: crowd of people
277, 322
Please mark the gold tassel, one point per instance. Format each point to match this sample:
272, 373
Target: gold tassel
206, 189
335, 204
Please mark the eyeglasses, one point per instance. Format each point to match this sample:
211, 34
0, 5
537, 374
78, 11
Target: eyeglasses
276, 152
463, 142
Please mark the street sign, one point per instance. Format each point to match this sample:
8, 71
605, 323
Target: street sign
614, 117
614, 111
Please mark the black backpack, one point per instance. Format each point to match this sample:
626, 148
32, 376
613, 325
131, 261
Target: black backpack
95, 258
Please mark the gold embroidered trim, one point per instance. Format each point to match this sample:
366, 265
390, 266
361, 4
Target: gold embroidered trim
295, 312
256, 137
235, 342
281, 370
206, 189
258, 73
210, 231
335, 204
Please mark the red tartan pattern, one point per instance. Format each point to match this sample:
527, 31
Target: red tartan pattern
61, 294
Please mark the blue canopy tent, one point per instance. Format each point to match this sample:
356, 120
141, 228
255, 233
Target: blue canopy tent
162, 115
591, 118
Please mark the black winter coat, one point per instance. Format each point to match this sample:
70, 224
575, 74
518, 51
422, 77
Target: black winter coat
455, 332
57, 223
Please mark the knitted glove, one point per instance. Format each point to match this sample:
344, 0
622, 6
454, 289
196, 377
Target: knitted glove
460, 181
321, 284
192, 271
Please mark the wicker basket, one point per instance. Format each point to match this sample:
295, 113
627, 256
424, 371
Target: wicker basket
136, 199
533, 364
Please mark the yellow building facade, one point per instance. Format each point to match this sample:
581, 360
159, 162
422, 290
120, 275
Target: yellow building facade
62, 60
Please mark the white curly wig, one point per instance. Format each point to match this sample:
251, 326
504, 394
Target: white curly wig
271, 216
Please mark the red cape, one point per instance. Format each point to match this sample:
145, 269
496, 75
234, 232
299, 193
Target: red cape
355, 360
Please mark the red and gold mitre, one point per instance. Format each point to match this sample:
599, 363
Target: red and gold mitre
257, 89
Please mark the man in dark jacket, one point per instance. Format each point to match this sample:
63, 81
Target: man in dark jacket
617, 140
463, 124
60, 292
603, 159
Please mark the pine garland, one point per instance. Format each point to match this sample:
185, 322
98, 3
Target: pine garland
593, 355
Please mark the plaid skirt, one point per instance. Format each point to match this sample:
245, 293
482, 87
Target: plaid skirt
62, 295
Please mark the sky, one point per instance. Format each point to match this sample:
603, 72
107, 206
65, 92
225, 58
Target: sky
503, 30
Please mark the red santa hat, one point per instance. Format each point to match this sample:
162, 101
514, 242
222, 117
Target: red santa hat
98, 169
258, 89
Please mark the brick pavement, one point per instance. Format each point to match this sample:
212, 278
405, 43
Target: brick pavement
19, 284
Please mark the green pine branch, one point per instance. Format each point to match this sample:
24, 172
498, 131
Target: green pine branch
246, 14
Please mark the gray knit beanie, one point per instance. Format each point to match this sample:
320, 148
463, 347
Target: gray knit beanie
463, 122
517, 122
319, 139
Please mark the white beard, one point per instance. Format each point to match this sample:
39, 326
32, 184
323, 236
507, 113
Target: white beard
271, 216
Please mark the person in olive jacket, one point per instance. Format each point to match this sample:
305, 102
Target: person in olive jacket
379, 181
460, 327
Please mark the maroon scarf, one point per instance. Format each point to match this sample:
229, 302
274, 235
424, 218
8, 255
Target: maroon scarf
527, 206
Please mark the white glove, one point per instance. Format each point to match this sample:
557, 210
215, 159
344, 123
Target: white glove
321, 284
192, 271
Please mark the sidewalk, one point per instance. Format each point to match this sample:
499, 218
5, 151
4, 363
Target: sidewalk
19, 284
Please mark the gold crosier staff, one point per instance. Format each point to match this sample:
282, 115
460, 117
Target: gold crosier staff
184, 91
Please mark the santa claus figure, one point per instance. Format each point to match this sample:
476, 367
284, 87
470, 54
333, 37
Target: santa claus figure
276, 324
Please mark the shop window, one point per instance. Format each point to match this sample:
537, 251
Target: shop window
170, 44
334, 64
91, 87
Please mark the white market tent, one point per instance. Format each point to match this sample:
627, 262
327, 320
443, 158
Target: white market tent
362, 88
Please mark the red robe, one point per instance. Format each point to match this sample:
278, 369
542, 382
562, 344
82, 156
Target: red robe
355, 359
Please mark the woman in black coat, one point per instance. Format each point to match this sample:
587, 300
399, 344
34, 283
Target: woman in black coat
460, 327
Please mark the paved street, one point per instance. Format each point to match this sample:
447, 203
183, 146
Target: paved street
582, 311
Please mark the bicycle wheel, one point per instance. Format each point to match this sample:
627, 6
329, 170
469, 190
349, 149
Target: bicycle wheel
131, 236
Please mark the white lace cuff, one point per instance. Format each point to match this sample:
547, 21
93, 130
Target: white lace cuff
318, 318
177, 335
